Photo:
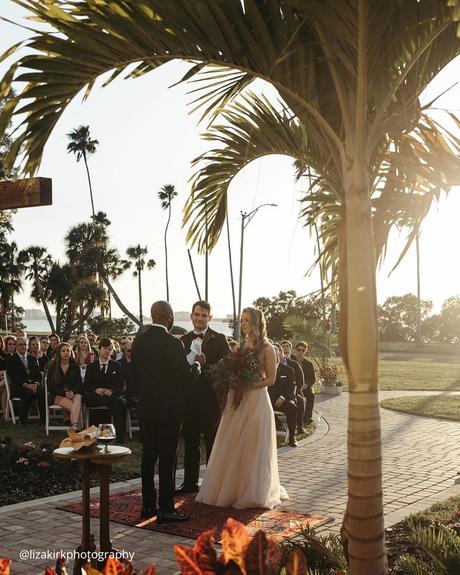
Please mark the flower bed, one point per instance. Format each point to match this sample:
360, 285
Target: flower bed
29, 471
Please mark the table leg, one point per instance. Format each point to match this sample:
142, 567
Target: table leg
104, 477
87, 541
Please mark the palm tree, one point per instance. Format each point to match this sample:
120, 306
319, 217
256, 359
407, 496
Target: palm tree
37, 262
88, 247
11, 270
83, 146
349, 76
166, 195
137, 256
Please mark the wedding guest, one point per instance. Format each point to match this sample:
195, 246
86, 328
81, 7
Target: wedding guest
64, 383
283, 394
2, 379
289, 360
162, 374
103, 386
131, 390
115, 351
54, 340
123, 342
10, 345
35, 350
92, 338
83, 353
44, 346
26, 380
301, 349
21, 333
203, 347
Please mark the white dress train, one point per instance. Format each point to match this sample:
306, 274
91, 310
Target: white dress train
242, 471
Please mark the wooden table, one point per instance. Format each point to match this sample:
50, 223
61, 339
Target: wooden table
102, 462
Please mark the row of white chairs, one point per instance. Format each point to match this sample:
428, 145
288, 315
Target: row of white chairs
54, 412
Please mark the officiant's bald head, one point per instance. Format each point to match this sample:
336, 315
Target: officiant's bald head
162, 313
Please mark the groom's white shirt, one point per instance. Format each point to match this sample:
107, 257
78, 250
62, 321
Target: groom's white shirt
196, 346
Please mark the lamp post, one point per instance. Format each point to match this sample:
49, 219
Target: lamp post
245, 219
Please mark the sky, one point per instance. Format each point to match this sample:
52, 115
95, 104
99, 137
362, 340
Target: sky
147, 138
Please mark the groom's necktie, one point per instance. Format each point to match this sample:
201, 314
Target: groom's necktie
198, 336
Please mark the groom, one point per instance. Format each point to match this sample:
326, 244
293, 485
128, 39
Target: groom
203, 347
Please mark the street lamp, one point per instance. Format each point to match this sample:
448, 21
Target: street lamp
245, 219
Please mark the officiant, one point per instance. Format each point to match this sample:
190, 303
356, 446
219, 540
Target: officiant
203, 347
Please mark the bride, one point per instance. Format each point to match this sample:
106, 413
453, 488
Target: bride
242, 471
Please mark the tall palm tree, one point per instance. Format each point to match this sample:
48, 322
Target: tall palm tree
166, 195
349, 76
82, 145
37, 262
137, 256
11, 270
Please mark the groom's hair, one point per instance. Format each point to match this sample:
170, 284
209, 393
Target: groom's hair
204, 304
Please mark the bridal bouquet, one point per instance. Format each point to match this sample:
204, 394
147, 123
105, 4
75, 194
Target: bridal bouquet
237, 371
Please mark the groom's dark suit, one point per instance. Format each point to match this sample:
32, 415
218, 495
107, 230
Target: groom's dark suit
201, 409
162, 374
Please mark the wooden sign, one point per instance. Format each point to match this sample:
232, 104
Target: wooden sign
26, 193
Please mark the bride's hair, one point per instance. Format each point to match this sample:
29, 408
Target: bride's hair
258, 327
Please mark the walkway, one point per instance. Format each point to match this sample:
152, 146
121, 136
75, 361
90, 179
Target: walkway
421, 460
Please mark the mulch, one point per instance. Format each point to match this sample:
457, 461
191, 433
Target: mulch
277, 523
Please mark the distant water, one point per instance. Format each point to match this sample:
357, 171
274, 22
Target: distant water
34, 326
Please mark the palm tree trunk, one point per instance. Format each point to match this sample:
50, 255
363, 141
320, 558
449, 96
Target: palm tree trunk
206, 261
38, 283
118, 301
321, 279
193, 274
89, 183
139, 279
232, 281
363, 524
13, 319
166, 251
418, 333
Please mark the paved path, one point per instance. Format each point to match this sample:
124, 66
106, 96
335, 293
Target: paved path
421, 459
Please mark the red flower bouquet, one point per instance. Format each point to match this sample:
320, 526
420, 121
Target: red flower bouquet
237, 371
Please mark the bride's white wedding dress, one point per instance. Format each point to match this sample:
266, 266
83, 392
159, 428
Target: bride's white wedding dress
242, 471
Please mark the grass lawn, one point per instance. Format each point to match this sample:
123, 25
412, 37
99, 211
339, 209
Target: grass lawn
416, 374
444, 407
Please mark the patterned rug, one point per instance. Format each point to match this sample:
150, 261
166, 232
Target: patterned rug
125, 508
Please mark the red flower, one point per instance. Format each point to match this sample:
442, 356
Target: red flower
43, 464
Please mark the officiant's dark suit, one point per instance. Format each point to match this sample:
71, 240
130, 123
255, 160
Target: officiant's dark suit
285, 388
162, 374
201, 410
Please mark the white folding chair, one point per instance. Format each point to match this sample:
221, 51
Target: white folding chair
10, 400
283, 419
129, 427
53, 412
4, 386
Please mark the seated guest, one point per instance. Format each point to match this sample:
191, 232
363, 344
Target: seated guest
83, 353
283, 395
26, 380
288, 359
44, 345
103, 386
301, 349
2, 379
64, 383
35, 350
131, 390
54, 340
115, 350
92, 338
123, 341
10, 345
